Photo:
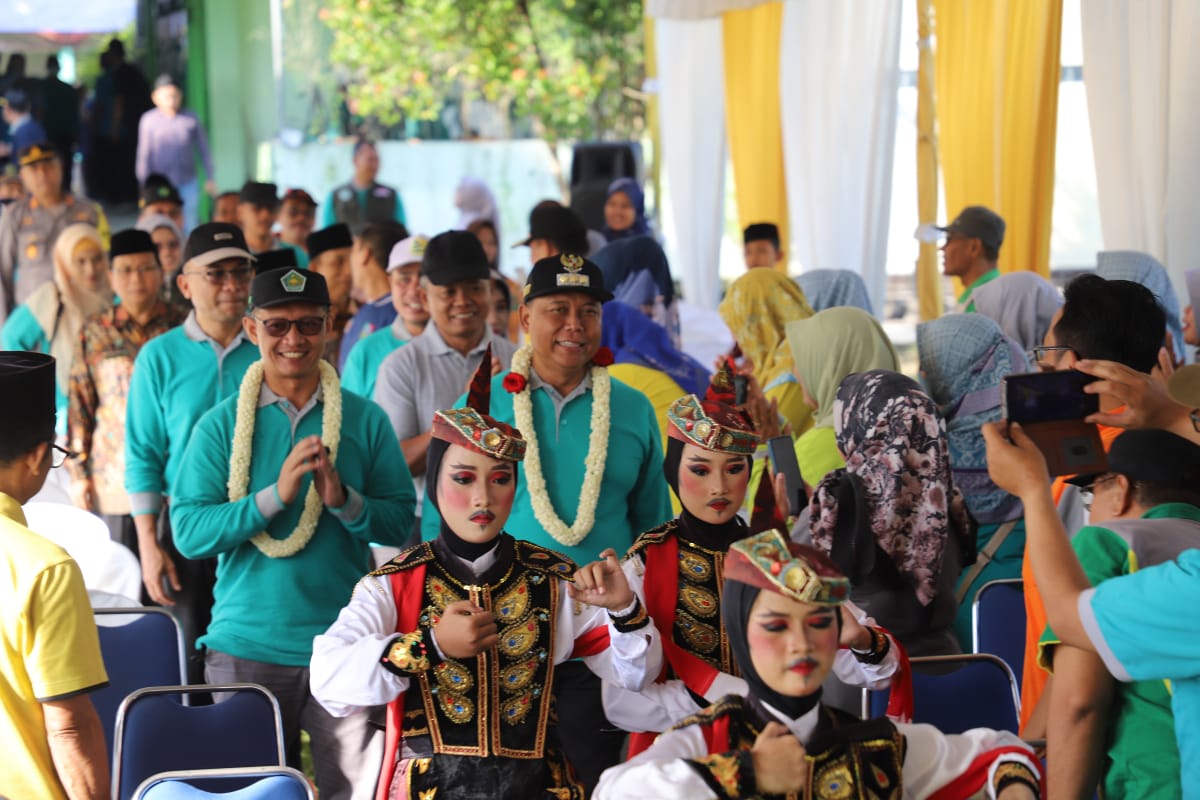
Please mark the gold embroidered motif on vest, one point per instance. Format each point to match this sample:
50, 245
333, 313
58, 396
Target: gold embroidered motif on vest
699, 601
517, 639
513, 603
698, 635
695, 568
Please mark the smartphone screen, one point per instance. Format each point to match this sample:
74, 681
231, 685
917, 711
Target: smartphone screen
1048, 397
782, 451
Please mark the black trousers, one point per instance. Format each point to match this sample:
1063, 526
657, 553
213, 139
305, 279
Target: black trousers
193, 602
590, 742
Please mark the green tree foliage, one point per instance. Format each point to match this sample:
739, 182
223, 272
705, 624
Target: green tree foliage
571, 67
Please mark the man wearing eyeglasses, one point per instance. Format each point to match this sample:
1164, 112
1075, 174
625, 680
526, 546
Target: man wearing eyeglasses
50, 662
177, 377
100, 374
1145, 511
1117, 321
287, 483
971, 250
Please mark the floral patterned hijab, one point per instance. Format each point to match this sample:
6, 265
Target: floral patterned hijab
895, 445
756, 308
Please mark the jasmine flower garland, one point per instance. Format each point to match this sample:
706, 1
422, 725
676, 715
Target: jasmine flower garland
239, 462
589, 495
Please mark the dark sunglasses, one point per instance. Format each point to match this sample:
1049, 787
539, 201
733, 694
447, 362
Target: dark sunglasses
278, 327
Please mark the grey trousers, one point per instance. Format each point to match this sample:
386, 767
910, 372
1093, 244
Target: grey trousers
347, 751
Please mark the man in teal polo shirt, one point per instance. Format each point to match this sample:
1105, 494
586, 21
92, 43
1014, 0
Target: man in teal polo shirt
286, 483
1143, 625
1144, 512
971, 250
574, 416
177, 377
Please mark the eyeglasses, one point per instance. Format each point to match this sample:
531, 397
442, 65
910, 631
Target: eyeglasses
1038, 354
1195, 418
278, 327
239, 275
127, 271
1088, 495
59, 455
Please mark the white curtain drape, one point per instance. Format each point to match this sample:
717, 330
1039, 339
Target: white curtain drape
1140, 62
839, 75
696, 9
691, 82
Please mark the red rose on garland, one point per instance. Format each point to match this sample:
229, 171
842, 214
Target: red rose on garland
513, 382
603, 357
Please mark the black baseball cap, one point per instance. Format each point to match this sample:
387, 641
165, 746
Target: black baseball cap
281, 258
159, 191
278, 286
1152, 455
130, 241
454, 256
265, 195
978, 222
334, 237
566, 272
556, 223
213, 242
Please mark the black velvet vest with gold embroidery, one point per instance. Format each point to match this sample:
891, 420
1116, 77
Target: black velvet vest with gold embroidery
848, 759
497, 704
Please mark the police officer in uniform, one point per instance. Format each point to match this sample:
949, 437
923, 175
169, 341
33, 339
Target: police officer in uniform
31, 224
361, 200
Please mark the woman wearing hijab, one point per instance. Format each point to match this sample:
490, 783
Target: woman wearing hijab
757, 308
634, 339
624, 210
475, 201
637, 271
1143, 268
677, 567
461, 636
964, 358
49, 321
830, 288
782, 609
892, 519
827, 347
1022, 304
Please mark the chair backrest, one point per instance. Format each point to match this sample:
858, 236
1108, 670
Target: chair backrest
141, 647
246, 783
157, 733
957, 693
998, 620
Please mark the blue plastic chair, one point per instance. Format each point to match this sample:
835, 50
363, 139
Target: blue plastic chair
157, 733
998, 619
146, 650
254, 783
973, 690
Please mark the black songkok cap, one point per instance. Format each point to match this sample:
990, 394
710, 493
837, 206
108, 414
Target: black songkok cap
280, 286
283, 258
454, 256
563, 273
265, 195
27, 393
129, 241
332, 238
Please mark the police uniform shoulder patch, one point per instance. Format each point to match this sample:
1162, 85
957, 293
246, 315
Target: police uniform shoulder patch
544, 560
412, 557
653, 536
729, 704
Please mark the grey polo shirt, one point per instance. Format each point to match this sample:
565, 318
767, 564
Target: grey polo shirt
426, 376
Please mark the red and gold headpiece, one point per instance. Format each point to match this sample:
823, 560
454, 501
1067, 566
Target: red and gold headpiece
713, 423
770, 561
471, 427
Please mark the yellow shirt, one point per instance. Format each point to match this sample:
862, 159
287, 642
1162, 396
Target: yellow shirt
49, 649
660, 390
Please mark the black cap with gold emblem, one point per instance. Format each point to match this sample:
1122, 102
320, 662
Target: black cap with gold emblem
566, 272
279, 286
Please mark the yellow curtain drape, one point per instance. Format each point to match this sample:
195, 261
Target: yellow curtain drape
652, 119
751, 40
929, 277
997, 75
